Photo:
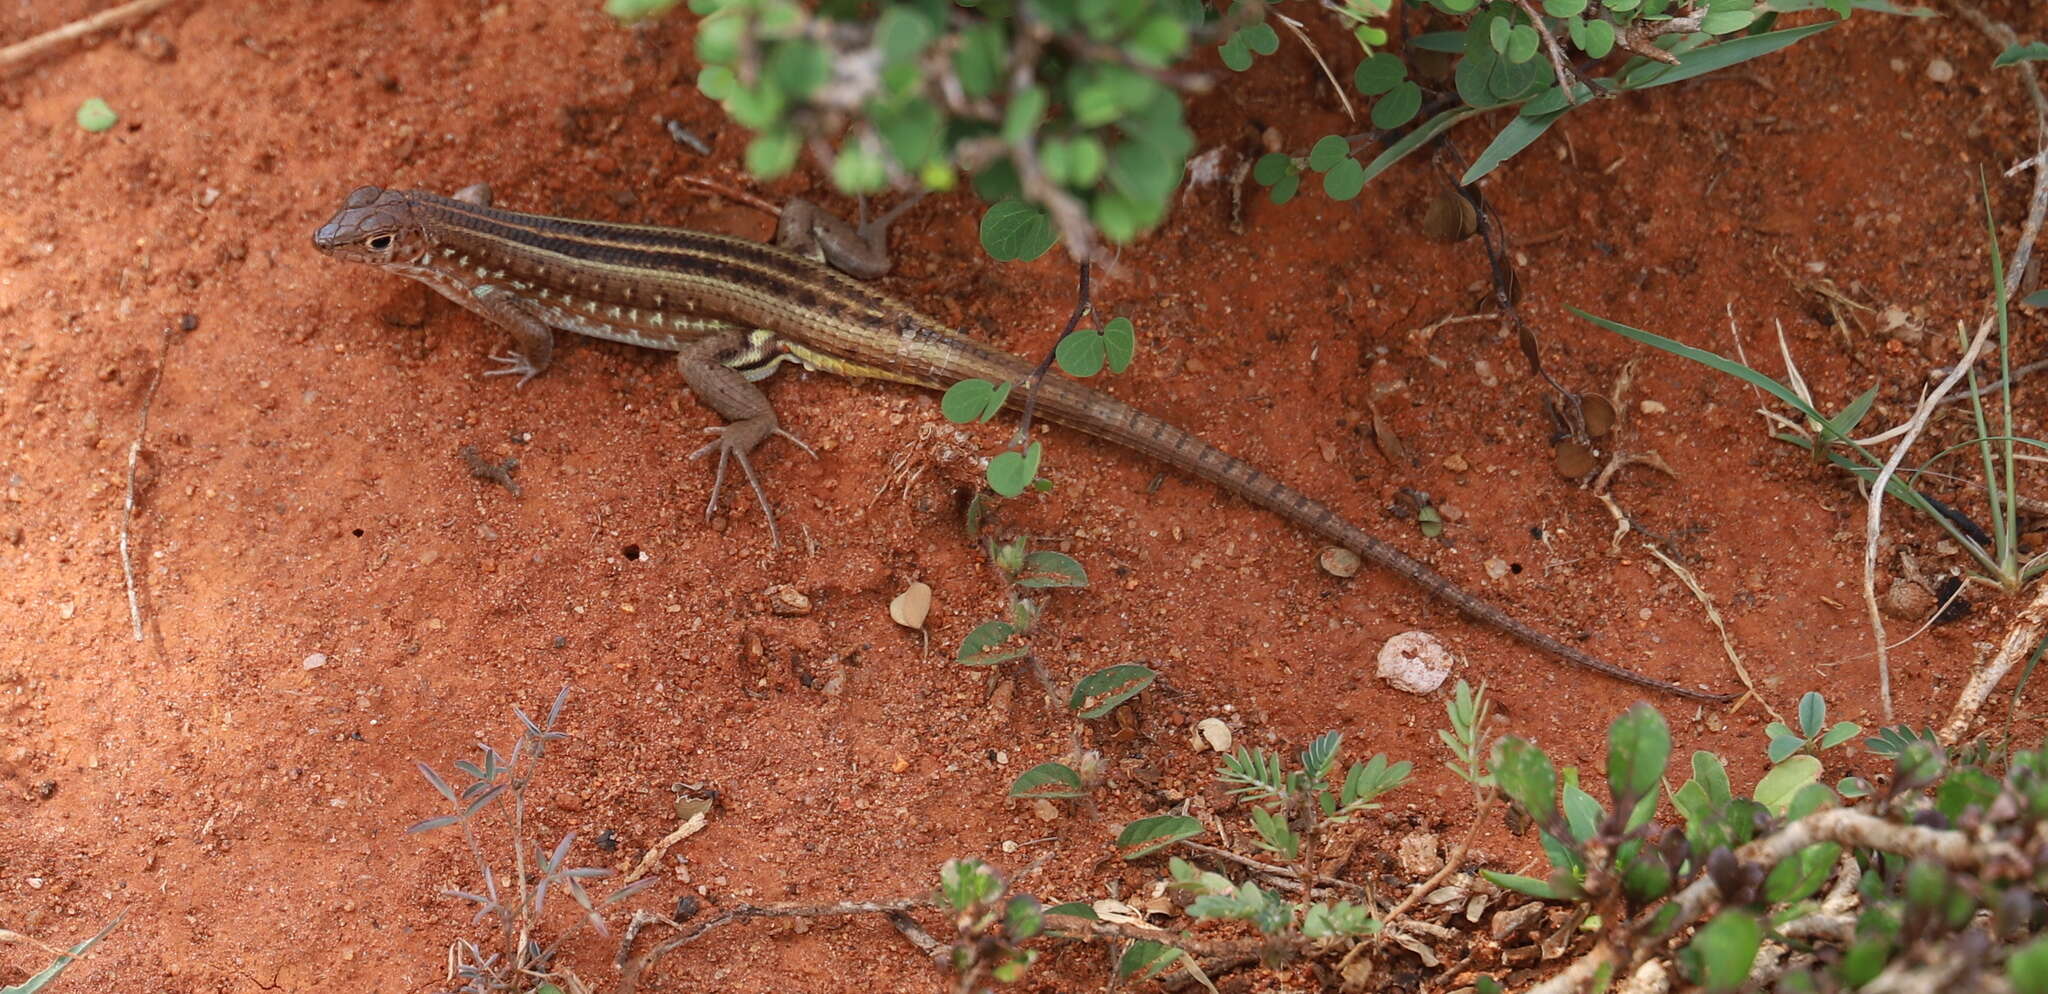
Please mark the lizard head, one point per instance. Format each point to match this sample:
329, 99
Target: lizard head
374, 225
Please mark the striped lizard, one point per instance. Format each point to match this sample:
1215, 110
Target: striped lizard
734, 309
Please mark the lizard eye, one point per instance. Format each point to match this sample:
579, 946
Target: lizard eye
379, 243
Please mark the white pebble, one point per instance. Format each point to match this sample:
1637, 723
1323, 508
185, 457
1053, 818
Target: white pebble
1215, 733
1415, 662
315, 661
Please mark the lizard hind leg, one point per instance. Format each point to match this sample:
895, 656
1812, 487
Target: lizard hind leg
709, 367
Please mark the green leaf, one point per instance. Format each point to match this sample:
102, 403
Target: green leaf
760, 108
799, 67
1015, 231
1777, 787
1638, 748
1285, 190
1499, 31
978, 60
859, 169
1397, 108
1345, 180
1009, 473
95, 116
984, 646
2032, 51
1144, 959
1531, 886
1100, 692
1119, 343
1149, 835
902, 31
1813, 713
1718, 56
910, 130
1379, 73
49, 974
1581, 812
2027, 968
1075, 909
1236, 54
1080, 354
1415, 139
1024, 917
1328, 151
968, 882
628, 11
1275, 835
1599, 34
1796, 877
1524, 773
971, 401
719, 38
1025, 112
1048, 780
1723, 949
717, 82
1783, 746
1274, 167
1522, 44
1158, 42
1261, 38
773, 152
1721, 22
1050, 569
1564, 8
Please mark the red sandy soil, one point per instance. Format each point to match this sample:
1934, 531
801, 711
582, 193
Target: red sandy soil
300, 494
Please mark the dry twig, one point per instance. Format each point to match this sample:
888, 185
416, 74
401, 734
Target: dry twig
77, 29
163, 354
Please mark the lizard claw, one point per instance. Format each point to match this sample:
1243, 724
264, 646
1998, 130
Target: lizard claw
514, 365
732, 450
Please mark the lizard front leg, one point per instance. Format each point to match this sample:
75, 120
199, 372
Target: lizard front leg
815, 233
712, 366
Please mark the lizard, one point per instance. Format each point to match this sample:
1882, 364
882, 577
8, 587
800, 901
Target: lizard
733, 309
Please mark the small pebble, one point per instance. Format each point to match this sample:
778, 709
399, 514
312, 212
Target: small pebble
1339, 562
1651, 407
1215, 733
1415, 662
1941, 71
787, 601
315, 661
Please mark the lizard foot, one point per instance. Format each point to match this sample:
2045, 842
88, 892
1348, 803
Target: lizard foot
733, 447
514, 365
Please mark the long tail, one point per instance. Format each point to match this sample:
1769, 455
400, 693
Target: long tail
1096, 413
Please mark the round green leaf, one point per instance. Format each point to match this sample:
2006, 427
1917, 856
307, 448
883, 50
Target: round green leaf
719, 38
1498, 30
1080, 354
1328, 151
771, 153
1522, 44
1599, 38
717, 82
1723, 950
978, 60
1345, 180
1721, 22
1285, 190
969, 401
1379, 73
1563, 8
1009, 473
1274, 167
910, 130
859, 169
903, 31
95, 116
759, 107
1261, 38
1236, 54
1159, 41
1013, 231
1024, 113
1398, 107
799, 67
1120, 343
